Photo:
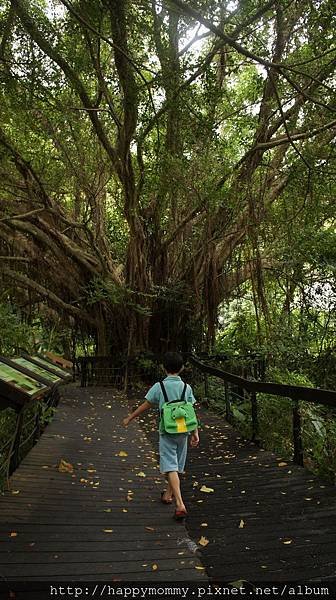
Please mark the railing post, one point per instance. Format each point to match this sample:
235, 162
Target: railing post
227, 402
297, 437
37, 433
15, 448
240, 391
206, 386
255, 420
83, 373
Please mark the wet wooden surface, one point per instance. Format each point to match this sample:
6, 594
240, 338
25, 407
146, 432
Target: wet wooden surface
266, 519
103, 521
263, 519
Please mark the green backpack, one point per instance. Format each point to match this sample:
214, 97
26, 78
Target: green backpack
177, 416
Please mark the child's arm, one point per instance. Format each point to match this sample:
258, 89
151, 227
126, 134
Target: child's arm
138, 411
194, 438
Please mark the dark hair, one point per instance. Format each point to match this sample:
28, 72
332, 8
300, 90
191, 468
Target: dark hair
172, 362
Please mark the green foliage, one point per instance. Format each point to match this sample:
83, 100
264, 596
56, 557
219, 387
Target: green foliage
99, 290
153, 175
319, 439
275, 417
47, 415
8, 419
148, 369
15, 334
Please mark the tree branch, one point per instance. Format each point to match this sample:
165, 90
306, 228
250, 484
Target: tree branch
71, 75
293, 137
26, 215
26, 171
25, 282
277, 66
185, 8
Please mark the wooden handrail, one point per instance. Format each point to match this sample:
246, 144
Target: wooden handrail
296, 392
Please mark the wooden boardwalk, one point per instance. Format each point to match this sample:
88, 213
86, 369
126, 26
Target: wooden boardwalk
265, 520
104, 521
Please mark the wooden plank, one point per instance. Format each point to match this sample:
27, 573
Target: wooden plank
177, 575
73, 569
269, 516
46, 507
62, 516
116, 555
120, 545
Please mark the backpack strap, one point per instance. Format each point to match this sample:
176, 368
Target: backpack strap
164, 391
166, 396
184, 392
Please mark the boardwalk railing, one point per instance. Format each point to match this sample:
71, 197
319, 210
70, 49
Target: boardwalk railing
24, 426
234, 396
252, 365
101, 370
28, 393
236, 387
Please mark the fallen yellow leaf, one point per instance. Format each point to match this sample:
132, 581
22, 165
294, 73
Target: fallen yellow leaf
13, 534
15, 492
108, 530
204, 524
154, 567
206, 489
122, 453
65, 467
200, 568
203, 541
237, 584
141, 474
282, 464
241, 524
287, 541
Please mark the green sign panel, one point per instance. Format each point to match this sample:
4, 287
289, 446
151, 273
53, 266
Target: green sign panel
23, 362
45, 363
22, 382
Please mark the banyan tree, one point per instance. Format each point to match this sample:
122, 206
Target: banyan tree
146, 147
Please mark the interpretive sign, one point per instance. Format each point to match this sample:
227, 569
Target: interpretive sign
49, 366
27, 364
16, 387
59, 360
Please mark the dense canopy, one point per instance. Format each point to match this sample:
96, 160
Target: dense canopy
159, 155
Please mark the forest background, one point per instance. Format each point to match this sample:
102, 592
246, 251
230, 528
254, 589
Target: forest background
167, 180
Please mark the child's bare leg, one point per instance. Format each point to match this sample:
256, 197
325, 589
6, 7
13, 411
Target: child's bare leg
174, 482
168, 494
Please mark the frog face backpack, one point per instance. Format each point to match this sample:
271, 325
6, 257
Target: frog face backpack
177, 416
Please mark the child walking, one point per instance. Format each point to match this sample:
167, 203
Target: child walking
172, 446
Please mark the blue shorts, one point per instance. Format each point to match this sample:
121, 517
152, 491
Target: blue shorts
173, 451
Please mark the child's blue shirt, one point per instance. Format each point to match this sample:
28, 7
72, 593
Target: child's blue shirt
174, 388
